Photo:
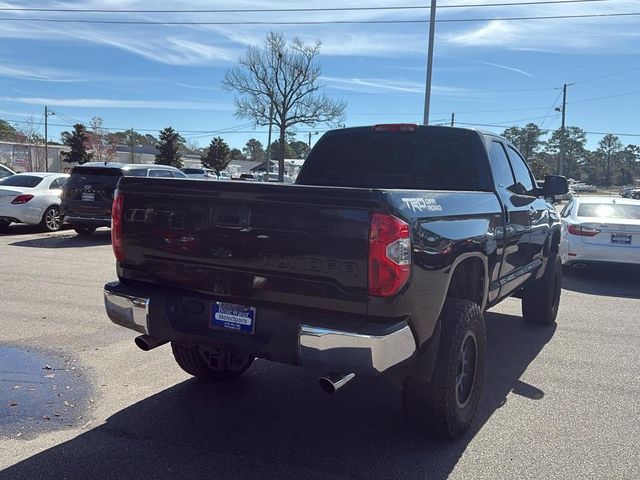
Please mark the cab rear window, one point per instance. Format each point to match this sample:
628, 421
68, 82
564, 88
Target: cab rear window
405, 160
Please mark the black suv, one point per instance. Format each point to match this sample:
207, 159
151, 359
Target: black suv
88, 194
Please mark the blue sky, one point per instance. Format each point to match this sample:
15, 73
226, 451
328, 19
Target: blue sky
490, 72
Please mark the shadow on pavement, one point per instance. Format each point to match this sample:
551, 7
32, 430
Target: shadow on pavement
67, 240
24, 229
264, 427
610, 281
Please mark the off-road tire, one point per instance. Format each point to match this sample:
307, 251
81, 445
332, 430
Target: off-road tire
190, 360
52, 219
541, 299
440, 406
84, 230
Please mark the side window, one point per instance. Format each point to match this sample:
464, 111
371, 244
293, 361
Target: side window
178, 174
566, 211
136, 172
522, 173
160, 173
500, 165
57, 183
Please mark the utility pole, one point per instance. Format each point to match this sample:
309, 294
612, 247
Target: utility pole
563, 110
313, 133
46, 140
133, 159
453, 118
427, 93
269, 140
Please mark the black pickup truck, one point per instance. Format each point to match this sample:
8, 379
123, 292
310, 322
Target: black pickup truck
381, 259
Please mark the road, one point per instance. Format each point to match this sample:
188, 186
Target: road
559, 402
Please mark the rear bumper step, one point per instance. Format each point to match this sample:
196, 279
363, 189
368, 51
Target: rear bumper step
318, 347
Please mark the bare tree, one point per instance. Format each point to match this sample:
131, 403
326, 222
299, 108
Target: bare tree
32, 144
279, 83
100, 143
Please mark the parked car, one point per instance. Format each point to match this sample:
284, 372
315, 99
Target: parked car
582, 187
380, 260
273, 177
88, 195
199, 173
635, 194
249, 177
223, 175
5, 172
626, 192
32, 198
600, 230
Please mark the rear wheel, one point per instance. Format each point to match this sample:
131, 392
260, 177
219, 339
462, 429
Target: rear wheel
52, 219
447, 404
210, 364
4, 224
540, 301
84, 230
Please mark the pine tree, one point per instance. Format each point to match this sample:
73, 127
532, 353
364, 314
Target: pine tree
78, 143
217, 156
168, 146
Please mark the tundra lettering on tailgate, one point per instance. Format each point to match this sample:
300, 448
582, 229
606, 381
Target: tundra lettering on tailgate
295, 263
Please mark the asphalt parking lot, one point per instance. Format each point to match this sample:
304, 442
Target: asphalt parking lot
560, 402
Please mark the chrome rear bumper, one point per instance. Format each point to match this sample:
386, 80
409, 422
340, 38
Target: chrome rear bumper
318, 347
354, 352
128, 311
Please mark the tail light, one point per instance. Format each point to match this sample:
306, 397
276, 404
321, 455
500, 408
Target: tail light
117, 212
389, 255
582, 230
20, 199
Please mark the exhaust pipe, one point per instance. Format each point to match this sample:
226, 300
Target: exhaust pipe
332, 381
146, 342
579, 266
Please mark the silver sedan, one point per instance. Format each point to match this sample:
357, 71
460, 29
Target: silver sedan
32, 198
600, 230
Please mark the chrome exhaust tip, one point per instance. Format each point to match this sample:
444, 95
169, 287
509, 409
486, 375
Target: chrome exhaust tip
146, 342
579, 265
332, 381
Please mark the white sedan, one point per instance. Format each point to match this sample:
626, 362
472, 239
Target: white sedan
32, 198
600, 230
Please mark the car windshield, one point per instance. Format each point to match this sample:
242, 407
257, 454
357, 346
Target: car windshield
29, 181
608, 210
190, 171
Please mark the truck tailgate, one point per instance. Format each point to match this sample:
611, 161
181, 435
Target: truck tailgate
250, 243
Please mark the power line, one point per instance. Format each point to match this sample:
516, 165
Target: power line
606, 75
321, 22
309, 9
625, 94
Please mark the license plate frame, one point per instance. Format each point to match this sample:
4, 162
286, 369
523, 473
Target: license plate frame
88, 196
621, 238
233, 317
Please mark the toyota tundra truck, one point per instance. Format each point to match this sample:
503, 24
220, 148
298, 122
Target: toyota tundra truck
381, 259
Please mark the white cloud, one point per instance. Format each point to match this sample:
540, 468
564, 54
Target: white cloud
23, 72
197, 87
382, 84
216, 44
511, 69
115, 103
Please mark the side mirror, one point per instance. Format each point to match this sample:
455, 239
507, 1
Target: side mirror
555, 185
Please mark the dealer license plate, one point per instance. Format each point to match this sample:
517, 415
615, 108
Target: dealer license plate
230, 316
621, 238
88, 196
